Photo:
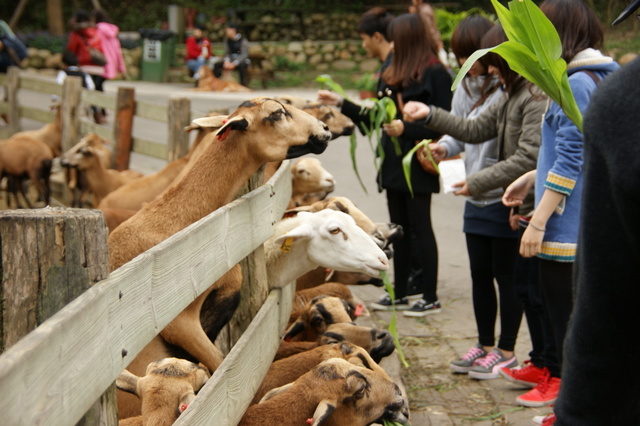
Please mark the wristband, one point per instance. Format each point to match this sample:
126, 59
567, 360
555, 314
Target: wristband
537, 228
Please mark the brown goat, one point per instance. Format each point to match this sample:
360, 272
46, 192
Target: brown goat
166, 390
289, 369
378, 342
114, 217
308, 176
316, 315
50, 134
260, 130
23, 156
303, 297
335, 392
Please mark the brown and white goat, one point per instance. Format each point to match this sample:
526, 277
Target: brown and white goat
260, 130
21, 157
335, 392
289, 369
166, 390
378, 342
314, 318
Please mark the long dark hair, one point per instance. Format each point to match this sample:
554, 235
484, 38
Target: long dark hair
465, 40
412, 51
577, 25
492, 38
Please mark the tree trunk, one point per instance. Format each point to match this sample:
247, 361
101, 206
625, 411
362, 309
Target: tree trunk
55, 20
17, 13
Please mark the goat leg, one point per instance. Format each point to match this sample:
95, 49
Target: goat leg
186, 330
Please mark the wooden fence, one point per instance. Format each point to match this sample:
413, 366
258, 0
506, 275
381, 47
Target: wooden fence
56, 373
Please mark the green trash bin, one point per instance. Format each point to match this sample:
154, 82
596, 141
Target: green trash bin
158, 50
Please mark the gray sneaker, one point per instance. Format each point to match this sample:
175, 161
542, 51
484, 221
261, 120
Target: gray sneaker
489, 367
464, 364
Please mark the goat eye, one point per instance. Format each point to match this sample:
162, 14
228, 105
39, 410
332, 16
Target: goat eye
334, 231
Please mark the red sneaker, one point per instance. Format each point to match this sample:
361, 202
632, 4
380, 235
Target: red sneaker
545, 393
549, 420
528, 375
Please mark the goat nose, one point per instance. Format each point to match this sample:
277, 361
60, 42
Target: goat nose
382, 335
325, 127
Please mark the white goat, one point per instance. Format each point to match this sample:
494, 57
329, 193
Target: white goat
328, 238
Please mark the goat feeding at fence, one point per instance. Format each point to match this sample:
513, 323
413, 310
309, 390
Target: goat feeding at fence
336, 392
260, 130
167, 388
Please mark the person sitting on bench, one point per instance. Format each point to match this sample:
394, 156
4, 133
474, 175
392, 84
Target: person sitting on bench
236, 54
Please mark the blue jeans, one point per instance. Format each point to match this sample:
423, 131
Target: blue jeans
195, 64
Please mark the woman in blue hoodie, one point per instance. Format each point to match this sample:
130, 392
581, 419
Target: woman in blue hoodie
552, 234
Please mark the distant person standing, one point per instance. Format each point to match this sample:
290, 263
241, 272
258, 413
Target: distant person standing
111, 48
198, 50
82, 37
236, 54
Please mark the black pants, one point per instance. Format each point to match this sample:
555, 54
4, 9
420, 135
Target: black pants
490, 259
241, 68
527, 286
414, 215
556, 281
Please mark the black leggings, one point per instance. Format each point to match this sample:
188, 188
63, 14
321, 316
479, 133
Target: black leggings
489, 258
414, 215
556, 282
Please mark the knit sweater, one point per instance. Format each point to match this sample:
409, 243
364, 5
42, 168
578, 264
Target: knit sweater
561, 158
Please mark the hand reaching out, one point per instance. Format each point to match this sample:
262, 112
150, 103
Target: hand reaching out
518, 189
414, 111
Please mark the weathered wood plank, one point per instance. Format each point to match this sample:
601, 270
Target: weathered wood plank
88, 126
149, 147
56, 372
40, 84
228, 393
101, 99
179, 116
38, 114
151, 111
123, 127
72, 89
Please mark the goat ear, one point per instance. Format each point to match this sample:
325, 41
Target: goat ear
185, 400
214, 122
128, 382
276, 391
295, 329
236, 123
201, 377
300, 232
324, 409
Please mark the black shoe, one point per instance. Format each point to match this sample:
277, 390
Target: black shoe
385, 304
421, 308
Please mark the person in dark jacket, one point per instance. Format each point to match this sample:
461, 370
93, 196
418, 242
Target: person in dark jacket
236, 54
415, 74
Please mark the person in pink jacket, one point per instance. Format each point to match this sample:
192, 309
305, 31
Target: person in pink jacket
108, 33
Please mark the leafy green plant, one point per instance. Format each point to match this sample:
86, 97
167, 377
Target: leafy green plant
406, 161
394, 319
366, 82
533, 50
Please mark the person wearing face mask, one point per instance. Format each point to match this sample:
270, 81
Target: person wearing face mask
515, 121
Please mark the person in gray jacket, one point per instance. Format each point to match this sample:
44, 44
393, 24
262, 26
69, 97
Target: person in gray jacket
515, 121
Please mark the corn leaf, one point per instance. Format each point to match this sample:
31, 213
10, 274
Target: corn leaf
352, 151
392, 325
534, 51
406, 161
326, 80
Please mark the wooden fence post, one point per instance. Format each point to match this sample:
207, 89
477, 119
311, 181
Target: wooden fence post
179, 116
49, 257
70, 104
11, 86
255, 286
123, 127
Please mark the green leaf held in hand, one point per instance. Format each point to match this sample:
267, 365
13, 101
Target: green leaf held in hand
534, 51
406, 161
392, 325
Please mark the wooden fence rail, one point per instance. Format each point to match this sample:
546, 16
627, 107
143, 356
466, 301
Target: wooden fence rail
56, 373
